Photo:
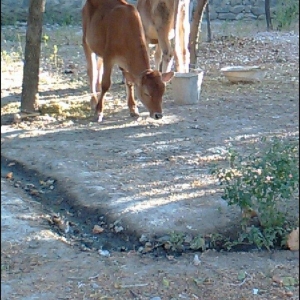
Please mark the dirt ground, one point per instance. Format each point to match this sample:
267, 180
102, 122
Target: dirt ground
37, 263
154, 175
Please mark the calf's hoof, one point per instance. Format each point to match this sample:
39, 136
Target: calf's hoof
157, 116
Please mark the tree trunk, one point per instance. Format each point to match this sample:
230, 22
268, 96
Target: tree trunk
268, 15
208, 23
197, 19
32, 55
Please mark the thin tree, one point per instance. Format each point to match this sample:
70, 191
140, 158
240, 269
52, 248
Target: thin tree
197, 19
32, 55
268, 15
208, 23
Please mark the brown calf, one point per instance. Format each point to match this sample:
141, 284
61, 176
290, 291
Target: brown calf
164, 20
113, 34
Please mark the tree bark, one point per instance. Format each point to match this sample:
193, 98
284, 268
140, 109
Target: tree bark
194, 36
268, 15
32, 55
208, 23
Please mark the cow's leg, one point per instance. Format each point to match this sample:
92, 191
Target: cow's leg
167, 53
157, 58
182, 33
105, 85
92, 71
163, 23
133, 109
96, 81
99, 74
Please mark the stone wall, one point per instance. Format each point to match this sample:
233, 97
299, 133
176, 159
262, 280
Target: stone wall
238, 9
68, 12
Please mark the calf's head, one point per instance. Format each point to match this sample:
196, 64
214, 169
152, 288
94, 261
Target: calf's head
150, 87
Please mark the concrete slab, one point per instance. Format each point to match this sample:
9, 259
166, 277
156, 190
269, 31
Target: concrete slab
152, 176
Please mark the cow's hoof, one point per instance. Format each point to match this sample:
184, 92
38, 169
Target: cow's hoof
134, 113
98, 117
93, 103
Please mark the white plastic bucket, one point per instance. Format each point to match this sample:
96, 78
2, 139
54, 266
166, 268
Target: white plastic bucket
186, 87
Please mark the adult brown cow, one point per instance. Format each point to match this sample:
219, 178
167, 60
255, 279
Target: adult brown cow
113, 34
164, 20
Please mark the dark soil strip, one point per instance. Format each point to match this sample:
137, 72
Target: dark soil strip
57, 202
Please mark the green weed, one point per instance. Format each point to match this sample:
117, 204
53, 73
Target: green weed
260, 185
286, 13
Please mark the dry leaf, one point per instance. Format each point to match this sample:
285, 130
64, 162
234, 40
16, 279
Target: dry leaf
289, 293
293, 240
9, 175
277, 279
249, 213
98, 229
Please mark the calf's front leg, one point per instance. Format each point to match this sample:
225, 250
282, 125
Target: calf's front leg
133, 110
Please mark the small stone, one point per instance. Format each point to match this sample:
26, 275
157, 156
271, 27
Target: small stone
143, 238
148, 247
167, 246
118, 229
94, 285
29, 186
16, 184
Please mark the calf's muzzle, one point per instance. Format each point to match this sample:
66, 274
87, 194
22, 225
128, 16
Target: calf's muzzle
158, 116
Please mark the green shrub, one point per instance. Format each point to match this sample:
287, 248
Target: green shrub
261, 183
286, 13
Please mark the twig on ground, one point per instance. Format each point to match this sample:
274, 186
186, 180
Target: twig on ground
94, 277
241, 283
133, 285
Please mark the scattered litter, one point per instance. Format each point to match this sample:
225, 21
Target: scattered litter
104, 253
197, 261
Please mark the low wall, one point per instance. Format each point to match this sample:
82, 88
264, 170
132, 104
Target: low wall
68, 12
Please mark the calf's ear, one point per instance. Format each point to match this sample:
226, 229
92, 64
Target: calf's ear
166, 77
